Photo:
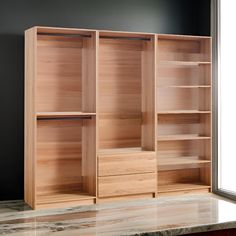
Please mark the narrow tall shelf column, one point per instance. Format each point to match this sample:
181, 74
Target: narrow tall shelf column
184, 114
60, 117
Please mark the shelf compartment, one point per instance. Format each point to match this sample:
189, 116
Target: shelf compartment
184, 76
184, 50
183, 99
62, 69
184, 179
183, 126
174, 163
63, 161
69, 196
184, 152
124, 64
179, 187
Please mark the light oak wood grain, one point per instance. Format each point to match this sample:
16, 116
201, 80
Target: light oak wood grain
126, 185
117, 115
126, 163
30, 119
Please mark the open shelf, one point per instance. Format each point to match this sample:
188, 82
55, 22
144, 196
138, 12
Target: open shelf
181, 137
185, 86
184, 63
182, 162
183, 99
63, 161
70, 196
182, 187
184, 179
184, 77
182, 112
64, 63
166, 161
184, 51
183, 126
63, 114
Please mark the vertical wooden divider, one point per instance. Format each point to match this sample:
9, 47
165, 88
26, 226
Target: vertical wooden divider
30, 118
89, 141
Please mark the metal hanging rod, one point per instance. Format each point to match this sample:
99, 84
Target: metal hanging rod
65, 118
66, 35
89, 36
125, 38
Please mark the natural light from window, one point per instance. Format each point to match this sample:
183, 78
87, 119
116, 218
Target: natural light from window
227, 97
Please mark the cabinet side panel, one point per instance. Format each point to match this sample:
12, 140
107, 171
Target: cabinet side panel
89, 165
89, 133
30, 120
148, 96
89, 74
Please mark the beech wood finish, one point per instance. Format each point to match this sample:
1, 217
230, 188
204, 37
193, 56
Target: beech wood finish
115, 115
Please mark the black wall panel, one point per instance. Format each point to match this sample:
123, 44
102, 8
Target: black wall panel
157, 16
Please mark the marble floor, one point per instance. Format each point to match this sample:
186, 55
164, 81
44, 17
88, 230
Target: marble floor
163, 216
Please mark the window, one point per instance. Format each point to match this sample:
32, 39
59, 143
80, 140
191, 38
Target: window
227, 97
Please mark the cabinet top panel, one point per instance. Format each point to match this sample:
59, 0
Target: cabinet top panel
111, 33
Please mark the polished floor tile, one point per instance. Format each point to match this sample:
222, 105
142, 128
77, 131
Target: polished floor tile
164, 216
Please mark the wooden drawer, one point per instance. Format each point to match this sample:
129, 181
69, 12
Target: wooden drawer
126, 184
121, 164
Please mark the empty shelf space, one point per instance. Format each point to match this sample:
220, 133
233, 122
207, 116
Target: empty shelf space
166, 161
131, 150
181, 137
184, 63
174, 187
63, 197
63, 114
183, 112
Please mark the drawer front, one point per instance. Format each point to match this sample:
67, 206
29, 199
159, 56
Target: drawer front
126, 164
126, 185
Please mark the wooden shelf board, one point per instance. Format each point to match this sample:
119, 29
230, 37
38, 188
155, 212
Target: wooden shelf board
180, 137
121, 151
185, 86
174, 187
63, 114
63, 197
182, 37
185, 63
183, 112
166, 161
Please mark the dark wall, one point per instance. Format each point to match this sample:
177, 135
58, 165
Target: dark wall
157, 16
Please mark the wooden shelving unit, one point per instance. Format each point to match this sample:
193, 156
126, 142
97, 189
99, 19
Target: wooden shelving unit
60, 117
126, 137
183, 114
115, 115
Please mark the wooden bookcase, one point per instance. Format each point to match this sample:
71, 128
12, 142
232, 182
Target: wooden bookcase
183, 114
115, 115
